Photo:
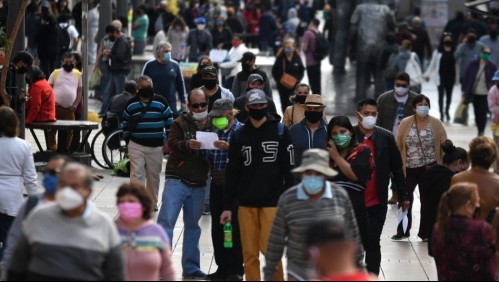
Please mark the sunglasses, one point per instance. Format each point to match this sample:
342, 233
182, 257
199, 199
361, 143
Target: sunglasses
199, 105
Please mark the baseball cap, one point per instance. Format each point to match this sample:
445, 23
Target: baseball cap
220, 106
247, 56
496, 76
254, 77
201, 20
256, 96
209, 70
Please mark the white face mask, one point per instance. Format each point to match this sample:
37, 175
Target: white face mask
200, 116
401, 91
368, 122
201, 26
68, 199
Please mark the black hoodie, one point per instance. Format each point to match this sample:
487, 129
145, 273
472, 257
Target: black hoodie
260, 163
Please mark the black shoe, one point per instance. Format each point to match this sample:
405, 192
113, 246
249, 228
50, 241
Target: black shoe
234, 277
447, 115
442, 117
216, 276
398, 237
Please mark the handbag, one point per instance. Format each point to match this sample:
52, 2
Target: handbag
461, 114
95, 79
287, 80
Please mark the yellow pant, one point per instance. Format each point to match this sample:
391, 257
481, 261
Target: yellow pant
255, 225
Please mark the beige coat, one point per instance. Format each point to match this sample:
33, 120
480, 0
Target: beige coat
437, 130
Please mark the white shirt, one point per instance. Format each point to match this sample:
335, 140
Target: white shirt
17, 171
65, 87
73, 33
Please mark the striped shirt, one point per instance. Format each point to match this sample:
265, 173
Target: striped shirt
154, 125
294, 214
219, 158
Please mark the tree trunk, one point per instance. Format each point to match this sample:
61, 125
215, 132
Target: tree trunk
8, 52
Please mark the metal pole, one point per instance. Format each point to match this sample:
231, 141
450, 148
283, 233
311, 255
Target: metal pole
84, 55
19, 45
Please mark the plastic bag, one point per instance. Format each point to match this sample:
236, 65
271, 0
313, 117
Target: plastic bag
461, 114
95, 79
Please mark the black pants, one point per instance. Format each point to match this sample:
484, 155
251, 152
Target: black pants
413, 179
284, 94
359, 207
481, 107
445, 89
5, 223
314, 78
377, 217
47, 64
229, 261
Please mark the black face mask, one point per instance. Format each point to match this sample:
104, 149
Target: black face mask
112, 38
210, 83
258, 114
313, 116
300, 99
68, 67
448, 43
246, 67
471, 39
146, 92
22, 70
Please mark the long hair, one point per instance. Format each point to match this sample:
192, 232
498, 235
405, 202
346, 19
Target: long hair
456, 197
288, 39
441, 43
342, 121
453, 153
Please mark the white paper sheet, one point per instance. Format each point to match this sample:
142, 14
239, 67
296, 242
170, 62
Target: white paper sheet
402, 217
207, 139
218, 55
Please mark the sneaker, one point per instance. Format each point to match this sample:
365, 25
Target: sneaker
216, 276
198, 275
398, 237
206, 210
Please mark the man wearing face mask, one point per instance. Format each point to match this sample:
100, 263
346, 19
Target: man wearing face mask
166, 76
259, 170
393, 107
388, 162
50, 181
67, 86
313, 199
72, 223
491, 41
311, 131
255, 81
186, 175
239, 87
222, 36
146, 123
199, 41
21, 64
229, 261
209, 76
467, 51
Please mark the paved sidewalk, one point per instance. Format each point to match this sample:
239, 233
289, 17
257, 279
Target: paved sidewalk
402, 260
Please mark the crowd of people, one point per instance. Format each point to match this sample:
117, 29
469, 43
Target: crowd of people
311, 188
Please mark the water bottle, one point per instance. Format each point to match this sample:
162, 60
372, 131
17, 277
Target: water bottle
228, 235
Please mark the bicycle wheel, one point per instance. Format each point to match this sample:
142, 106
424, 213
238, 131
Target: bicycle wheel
96, 149
114, 148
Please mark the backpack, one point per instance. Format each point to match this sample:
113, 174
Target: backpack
321, 47
413, 69
64, 39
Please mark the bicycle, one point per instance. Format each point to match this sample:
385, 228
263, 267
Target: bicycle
109, 147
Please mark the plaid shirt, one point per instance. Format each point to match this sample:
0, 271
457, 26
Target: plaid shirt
218, 158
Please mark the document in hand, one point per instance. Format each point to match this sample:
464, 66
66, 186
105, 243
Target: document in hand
207, 139
402, 217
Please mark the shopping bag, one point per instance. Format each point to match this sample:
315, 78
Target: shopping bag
95, 79
461, 114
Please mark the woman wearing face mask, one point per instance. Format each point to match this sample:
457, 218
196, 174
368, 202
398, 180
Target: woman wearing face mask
418, 138
476, 84
436, 182
296, 112
442, 70
463, 247
355, 166
288, 61
196, 80
232, 66
40, 105
177, 36
146, 247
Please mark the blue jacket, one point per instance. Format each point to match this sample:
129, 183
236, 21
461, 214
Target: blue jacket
470, 76
303, 139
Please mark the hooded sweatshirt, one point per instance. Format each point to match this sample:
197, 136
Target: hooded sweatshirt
293, 22
259, 168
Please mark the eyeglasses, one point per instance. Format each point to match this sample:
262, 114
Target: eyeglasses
400, 85
199, 105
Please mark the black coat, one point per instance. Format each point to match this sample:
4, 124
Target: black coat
294, 67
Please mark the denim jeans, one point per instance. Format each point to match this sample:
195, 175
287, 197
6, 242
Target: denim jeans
115, 86
5, 223
178, 195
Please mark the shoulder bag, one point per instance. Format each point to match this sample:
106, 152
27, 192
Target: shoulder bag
287, 80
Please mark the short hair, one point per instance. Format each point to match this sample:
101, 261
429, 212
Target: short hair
23, 56
483, 152
131, 86
368, 101
111, 29
144, 77
87, 174
159, 48
302, 85
138, 190
117, 24
68, 55
8, 122
420, 98
198, 90
403, 76
326, 231
315, 21
406, 45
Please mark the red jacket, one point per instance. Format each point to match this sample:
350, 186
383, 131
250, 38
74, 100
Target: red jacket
41, 103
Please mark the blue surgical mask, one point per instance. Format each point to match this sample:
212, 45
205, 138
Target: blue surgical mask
50, 183
422, 111
288, 51
312, 184
167, 56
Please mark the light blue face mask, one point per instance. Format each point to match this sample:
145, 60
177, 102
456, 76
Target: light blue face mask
167, 56
312, 184
422, 111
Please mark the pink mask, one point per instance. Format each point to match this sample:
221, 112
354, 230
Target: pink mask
130, 211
